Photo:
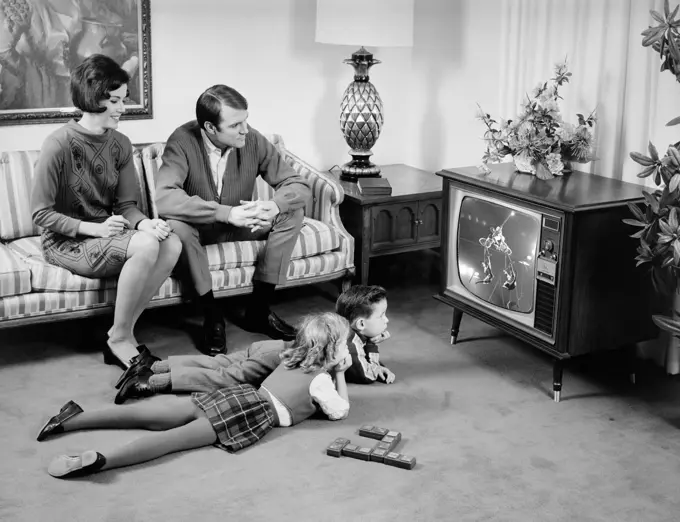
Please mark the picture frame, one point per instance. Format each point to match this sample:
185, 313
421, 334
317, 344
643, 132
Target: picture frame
41, 42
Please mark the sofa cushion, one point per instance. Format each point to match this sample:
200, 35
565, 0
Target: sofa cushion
16, 181
15, 276
315, 238
299, 269
49, 278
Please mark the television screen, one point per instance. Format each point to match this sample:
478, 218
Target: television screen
497, 252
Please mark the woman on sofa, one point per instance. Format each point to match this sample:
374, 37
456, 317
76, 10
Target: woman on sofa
85, 199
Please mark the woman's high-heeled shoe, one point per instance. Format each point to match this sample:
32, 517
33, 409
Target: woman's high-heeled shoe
141, 362
112, 358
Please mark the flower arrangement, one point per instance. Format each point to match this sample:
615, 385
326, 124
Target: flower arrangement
539, 141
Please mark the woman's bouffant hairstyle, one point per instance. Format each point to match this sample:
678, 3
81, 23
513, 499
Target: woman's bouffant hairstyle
359, 301
209, 104
319, 336
93, 80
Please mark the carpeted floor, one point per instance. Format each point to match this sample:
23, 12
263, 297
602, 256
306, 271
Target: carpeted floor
490, 442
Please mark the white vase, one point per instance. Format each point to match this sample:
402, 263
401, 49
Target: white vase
524, 164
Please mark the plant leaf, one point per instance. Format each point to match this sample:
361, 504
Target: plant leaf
657, 17
641, 159
542, 172
673, 218
675, 181
666, 229
634, 222
672, 15
653, 153
657, 35
635, 210
675, 52
666, 8
675, 120
647, 172
675, 154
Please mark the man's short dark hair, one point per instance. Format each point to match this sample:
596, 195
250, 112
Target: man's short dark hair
358, 301
93, 80
209, 104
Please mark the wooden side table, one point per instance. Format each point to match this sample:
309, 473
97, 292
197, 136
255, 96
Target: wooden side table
409, 219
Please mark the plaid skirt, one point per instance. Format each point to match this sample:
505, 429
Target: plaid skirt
92, 257
239, 415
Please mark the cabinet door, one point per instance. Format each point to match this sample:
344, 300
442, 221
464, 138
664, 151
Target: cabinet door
393, 226
429, 220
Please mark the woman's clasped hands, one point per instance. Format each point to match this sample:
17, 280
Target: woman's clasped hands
116, 224
156, 227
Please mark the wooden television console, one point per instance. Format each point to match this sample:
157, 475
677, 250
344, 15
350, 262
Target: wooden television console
596, 298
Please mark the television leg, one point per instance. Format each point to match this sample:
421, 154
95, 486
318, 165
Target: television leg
557, 379
455, 325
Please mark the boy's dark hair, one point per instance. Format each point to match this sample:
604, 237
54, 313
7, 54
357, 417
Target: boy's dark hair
358, 301
209, 104
93, 80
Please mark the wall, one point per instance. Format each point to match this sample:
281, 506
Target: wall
266, 49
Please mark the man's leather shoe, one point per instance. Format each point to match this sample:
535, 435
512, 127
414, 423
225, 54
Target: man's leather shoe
214, 341
54, 425
135, 387
270, 325
145, 359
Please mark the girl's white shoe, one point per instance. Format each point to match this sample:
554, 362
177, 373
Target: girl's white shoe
67, 466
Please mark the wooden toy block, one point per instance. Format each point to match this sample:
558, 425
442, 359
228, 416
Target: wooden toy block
400, 461
391, 442
384, 446
362, 453
373, 432
406, 462
378, 454
335, 448
395, 434
391, 458
351, 450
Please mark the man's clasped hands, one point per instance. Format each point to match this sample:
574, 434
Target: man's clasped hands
255, 215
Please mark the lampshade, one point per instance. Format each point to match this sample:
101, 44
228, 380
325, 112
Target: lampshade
376, 23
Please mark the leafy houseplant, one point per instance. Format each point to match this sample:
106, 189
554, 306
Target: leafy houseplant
539, 141
659, 217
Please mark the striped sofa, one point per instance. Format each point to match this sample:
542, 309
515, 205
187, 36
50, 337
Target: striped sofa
32, 290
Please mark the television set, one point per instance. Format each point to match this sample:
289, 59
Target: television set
549, 261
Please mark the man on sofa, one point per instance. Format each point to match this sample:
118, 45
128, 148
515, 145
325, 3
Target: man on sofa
208, 172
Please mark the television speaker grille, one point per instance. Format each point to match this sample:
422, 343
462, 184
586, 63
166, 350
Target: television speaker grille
545, 307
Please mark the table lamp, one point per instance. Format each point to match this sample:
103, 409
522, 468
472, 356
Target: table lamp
372, 23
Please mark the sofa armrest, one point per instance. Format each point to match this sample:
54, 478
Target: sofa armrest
327, 194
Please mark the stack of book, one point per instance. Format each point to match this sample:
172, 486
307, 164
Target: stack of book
374, 187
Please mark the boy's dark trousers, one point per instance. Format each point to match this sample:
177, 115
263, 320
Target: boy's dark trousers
202, 373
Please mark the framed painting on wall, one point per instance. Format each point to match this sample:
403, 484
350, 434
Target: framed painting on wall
42, 41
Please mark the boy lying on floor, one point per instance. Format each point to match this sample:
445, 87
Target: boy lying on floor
363, 306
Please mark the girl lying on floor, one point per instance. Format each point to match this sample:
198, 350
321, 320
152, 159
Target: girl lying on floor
311, 375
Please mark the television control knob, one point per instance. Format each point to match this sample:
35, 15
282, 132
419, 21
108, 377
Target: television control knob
548, 245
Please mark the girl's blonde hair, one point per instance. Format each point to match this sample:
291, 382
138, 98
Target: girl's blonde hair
319, 335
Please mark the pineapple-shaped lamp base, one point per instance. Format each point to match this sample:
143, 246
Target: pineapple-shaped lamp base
361, 119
